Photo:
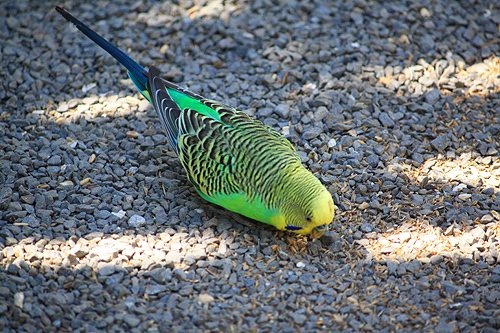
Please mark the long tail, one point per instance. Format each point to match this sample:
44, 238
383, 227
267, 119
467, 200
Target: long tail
136, 72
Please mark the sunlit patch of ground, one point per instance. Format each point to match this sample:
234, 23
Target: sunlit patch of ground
481, 79
109, 253
429, 244
94, 107
417, 238
462, 170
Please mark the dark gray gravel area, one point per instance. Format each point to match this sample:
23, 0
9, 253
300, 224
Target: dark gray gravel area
395, 106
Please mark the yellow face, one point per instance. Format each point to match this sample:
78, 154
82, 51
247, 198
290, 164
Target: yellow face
312, 220
322, 216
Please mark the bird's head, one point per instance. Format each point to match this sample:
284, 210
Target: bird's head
307, 207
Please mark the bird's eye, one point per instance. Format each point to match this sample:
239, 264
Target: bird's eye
308, 218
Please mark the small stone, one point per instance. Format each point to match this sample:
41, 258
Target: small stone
328, 238
80, 251
103, 214
283, 110
477, 41
198, 254
444, 327
373, 160
19, 299
9, 241
31, 221
440, 143
432, 96
364, 205
375, 204
366, 227
464, 196
132, 134
386, 120
224, 224
213, 222
155, 289
105, 253
119, 214
485, 219
489, 191
132, 320
106, 269
205, 298
478, 233
85, 208
180, 274
54, 160
173, 257
311, 133
136, 221
392, 266
332, 143
160, 275
299, 319
146, 263
114, 279
452, 289
427, 43
436, 259
13, 269
283, 255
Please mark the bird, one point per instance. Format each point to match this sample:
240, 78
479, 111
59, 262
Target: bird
232, 159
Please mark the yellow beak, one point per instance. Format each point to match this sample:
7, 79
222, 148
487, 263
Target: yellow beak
317, 233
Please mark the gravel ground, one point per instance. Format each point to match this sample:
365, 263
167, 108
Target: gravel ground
395, 106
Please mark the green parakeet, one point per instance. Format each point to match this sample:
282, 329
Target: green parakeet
232, 160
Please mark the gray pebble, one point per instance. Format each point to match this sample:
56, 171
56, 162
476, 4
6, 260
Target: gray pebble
132, 320
440, 143
436, 259
136, 221
311, 133
386, 120
366, 227
282, 110
432, 96
106, 269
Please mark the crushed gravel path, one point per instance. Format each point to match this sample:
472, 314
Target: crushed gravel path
395, 106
